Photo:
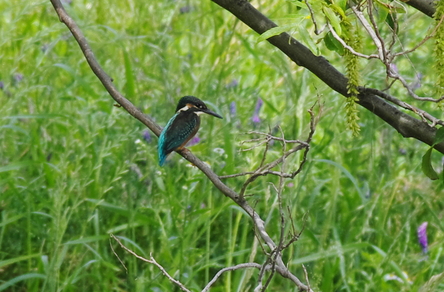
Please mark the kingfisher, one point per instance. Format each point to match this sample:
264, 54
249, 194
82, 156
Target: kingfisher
182, 126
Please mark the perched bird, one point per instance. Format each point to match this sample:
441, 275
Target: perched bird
182, 126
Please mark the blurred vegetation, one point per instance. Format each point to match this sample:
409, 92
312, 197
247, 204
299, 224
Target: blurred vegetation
74, 168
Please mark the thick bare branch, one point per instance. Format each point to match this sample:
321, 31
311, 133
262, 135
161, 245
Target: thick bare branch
425, 6
406, 125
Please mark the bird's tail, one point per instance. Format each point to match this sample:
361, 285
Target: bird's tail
162, 158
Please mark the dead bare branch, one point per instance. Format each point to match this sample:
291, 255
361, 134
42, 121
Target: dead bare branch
151, 261
233, 268
313, 19
128, 106
423, 114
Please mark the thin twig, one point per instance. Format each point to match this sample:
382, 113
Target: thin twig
236, 174
310, 137
267, 265
313, 19
117, 256
306, 276
369, 30
233, 268
294, 235
344, 44
394, 31
279, 247
151, 261
264, 156
385, 54
391, 73
431, 35
423, 114
271, 137
266, 169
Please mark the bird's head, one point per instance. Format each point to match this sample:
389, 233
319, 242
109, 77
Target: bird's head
191, 103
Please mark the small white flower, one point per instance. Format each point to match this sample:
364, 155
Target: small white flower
219, 151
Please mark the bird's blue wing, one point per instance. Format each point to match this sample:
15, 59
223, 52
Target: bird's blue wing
178, 131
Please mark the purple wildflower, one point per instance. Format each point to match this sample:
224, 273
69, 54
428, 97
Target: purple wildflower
255, 117
233, 109
422, 236
259, 104
193, 141
17, 78
2, 85
232, 84
146, 136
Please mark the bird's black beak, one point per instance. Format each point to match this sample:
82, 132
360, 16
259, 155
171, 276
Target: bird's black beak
210, 112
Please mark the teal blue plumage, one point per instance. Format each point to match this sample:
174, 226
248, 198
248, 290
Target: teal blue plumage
182, 126
177, 133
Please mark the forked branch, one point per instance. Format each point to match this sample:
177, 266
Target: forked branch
132, 110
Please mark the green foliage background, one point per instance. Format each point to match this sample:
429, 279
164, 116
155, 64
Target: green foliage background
74, 168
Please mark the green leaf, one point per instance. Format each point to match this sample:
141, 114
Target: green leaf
16, 165
341, 3
298, 3
20, 278
275, 31
333, 44
427, 167
439, 137
332, 252
17, 259
129, 85
391, 22
270, 105
393, 6
346, 173
381, 11
35, 116
306, 38
339, 10
334, 19
88, 239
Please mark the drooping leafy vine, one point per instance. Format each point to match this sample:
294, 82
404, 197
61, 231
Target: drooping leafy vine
352, 38
439, 51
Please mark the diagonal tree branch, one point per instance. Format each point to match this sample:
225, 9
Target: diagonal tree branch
406, 125
425, 6
214, 178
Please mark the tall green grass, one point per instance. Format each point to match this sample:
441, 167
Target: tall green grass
74, 168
